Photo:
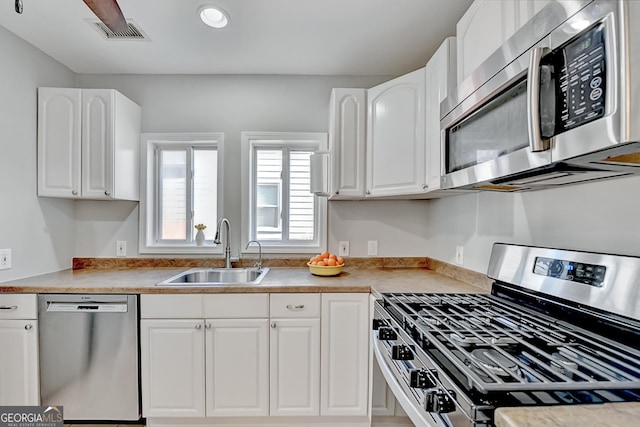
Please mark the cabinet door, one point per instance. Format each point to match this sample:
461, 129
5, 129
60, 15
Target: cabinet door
19, 380
59, 115
172, 367
344, 362
237, 367
347, 118
295, 367
481, 30
440, 79
395, 136
97, 143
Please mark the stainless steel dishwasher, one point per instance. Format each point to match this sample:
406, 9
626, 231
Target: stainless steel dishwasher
89, 355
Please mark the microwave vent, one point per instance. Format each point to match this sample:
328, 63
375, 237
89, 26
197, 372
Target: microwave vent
492, 187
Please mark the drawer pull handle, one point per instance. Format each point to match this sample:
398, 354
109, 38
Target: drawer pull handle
28, 326
295, 307
8, 308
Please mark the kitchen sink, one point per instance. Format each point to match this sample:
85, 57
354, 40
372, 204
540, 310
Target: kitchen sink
217, 277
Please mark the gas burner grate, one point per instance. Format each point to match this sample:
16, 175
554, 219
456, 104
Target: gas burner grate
500, 346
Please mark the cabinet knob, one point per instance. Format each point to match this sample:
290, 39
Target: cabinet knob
28, 326
207, 326
367, 192
425, 186
74, 192
198, 326
338, 192
273, 325
107, 193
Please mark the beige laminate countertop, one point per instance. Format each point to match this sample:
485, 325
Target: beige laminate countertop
144, 280
597, 415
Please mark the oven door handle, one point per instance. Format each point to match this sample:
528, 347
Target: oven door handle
536, 141
415, 413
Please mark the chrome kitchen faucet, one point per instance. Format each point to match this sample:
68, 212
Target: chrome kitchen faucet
227, 248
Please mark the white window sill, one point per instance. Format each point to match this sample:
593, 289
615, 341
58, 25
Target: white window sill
182, 249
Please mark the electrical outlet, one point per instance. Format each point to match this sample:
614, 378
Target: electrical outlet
343, 248
372, 248
459, 255
121, 248
5, 259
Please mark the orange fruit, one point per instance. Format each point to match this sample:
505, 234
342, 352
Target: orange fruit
313, 263
331, 262
333, 256
325, 254
320, 264
340, 260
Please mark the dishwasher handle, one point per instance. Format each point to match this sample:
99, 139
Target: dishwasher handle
87, 307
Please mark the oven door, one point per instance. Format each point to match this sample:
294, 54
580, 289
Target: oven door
419, 386
488, 135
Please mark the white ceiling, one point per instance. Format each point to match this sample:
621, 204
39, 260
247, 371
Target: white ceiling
321, 37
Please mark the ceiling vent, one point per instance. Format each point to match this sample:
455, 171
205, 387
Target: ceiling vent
133, 31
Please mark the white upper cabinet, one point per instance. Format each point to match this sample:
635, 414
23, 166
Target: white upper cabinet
440, 80
395, 137
347, 127
88, 144
486, 25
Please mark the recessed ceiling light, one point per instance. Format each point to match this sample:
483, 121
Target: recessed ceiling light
214, 17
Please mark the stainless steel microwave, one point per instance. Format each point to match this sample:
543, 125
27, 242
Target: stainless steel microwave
557, 104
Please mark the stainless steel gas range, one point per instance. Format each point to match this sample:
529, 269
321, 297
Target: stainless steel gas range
559, 328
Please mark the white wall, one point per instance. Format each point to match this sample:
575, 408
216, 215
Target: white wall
602, 216
39, 231
229, 104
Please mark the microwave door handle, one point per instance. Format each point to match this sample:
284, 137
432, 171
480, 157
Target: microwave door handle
536, 141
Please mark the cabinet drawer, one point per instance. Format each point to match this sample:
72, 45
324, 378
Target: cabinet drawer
18, 306
171, 306
235, 306
295, 305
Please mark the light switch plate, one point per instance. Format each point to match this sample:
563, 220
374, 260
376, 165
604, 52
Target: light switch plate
343, 248
372, 248
5, 259
121, 248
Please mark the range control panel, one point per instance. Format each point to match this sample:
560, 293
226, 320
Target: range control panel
589, 274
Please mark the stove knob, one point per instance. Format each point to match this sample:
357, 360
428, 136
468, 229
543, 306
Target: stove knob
439, 401
387, 333
421, 379
401, 352
378, 323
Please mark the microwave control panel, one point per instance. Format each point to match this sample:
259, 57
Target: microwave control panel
589, 274
580, 79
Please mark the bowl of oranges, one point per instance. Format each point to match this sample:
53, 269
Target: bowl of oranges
326, 264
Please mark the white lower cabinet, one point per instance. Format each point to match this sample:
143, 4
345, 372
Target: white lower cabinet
291, 356
344, 360
19, 379
203, 366
295, 367
172, 355
237, 367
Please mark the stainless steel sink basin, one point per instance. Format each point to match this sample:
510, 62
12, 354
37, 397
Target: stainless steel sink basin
217, 277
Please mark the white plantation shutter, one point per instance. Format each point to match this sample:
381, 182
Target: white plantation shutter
283, 214
301, 201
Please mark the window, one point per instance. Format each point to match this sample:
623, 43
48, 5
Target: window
278, 208
182, 189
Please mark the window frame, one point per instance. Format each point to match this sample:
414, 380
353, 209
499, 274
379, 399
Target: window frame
149, 187
307, 141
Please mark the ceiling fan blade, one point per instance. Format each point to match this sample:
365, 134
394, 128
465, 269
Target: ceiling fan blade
109, 13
